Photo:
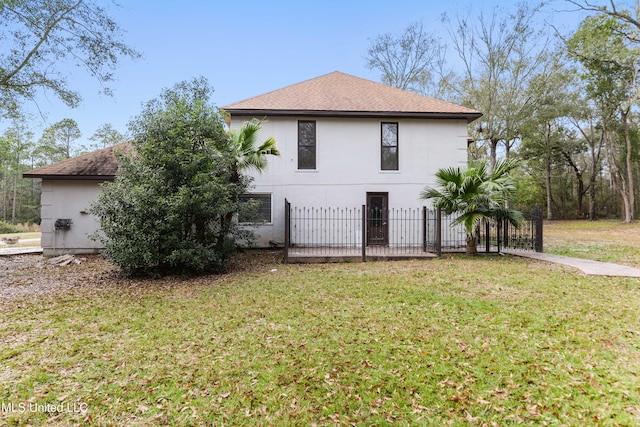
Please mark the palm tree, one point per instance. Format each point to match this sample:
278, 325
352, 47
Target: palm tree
475, 193
247, 154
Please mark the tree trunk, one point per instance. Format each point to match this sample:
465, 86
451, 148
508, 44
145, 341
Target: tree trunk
629, 205
493, 154
592, 197
15, 193
578, 174
627, 215
5, 196
507, 149
227, 219
548, 185
595, 163
595, 149
622, 179
471, 248
580, 195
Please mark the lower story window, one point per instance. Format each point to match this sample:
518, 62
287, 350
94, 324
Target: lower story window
255, 208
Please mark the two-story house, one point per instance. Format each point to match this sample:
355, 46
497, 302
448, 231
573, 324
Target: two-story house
344, 142
347, 142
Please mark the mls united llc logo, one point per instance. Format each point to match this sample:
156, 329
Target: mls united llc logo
75, 407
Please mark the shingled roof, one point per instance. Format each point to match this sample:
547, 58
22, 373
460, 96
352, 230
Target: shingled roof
340, 94
97, 165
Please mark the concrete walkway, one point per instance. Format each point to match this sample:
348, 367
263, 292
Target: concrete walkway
591, 268
19, 250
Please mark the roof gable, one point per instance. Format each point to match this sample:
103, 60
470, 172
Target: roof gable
97, 165
340, 94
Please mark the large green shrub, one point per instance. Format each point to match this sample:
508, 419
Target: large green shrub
167, 209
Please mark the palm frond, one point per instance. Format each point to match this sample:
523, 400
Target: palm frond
269, 147
247, 155
475, 193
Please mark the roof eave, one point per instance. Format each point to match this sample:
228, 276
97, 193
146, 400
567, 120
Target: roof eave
245, 112
69, 177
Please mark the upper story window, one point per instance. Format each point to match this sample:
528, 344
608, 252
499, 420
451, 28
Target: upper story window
389, 146
306, 144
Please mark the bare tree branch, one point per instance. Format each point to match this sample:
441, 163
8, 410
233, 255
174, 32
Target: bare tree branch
38, 38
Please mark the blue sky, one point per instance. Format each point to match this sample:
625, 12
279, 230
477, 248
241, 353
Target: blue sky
245, 48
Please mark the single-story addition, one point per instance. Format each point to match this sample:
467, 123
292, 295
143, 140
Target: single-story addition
68, 189
345, 143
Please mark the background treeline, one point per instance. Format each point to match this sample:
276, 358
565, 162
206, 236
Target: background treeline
21, 151
563, 100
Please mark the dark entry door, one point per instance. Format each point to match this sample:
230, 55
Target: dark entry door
377, 218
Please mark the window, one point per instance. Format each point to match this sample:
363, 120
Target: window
255, 208
306, 144
389, 146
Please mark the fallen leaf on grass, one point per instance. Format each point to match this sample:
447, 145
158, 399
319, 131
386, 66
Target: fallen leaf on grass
447, 382
634, 411
533, 410
470, 418
501, 393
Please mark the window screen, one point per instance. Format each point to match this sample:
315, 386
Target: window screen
389, 146
263, 212
306, 144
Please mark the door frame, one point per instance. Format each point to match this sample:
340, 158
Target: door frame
383, 226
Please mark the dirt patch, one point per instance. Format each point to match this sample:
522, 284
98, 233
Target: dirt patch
31, 276
22, 275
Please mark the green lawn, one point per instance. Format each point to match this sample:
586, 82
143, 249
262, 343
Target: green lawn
489, 340
22, 236
605, 240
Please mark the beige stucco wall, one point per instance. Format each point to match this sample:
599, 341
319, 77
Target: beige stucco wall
68, 199
348, 164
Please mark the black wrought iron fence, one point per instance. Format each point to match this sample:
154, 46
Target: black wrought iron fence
454, 237
325, 227
529, 235
397, 230
493, 236
358, 231
362, 232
